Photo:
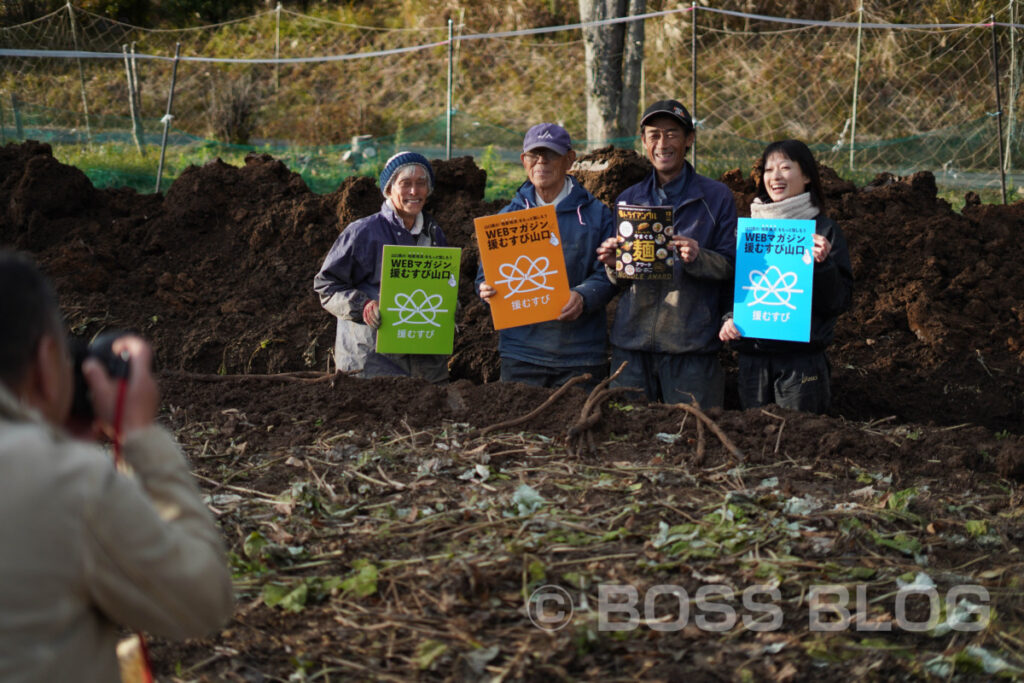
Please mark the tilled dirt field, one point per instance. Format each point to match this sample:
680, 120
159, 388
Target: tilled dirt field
379, 530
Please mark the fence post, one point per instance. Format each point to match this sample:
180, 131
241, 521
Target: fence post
448, 107
693, 80
18, 130
131, 99
999, 106
81, 72
167, 118
856, 84
137, 128
277, 50
1014, 87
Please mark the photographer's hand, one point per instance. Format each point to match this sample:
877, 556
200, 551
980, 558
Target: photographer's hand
142, 397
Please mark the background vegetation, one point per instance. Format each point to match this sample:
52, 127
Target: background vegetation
926, 98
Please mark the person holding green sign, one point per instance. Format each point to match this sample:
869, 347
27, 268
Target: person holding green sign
549, 354
795, 375
349, 280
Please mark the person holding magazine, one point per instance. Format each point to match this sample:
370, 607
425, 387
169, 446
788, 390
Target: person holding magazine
667, 329
795, 375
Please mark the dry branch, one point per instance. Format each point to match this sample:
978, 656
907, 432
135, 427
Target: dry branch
713, 426
590, 415
536, 411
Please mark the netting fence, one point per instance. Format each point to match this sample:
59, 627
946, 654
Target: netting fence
329, 97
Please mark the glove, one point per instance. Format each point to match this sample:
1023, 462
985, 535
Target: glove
371, 314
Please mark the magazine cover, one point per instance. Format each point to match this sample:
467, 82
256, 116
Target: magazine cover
645, 242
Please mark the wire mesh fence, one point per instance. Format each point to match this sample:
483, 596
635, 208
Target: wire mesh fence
867, 95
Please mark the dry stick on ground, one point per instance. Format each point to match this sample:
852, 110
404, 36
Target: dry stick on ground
593, 398
537, 411
590, 415
698, 459
302, 376
726, 441
778, 439
588, 420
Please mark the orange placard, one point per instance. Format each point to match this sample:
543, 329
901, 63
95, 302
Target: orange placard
521, 252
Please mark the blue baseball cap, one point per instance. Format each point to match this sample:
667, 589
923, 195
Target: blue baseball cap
548, 135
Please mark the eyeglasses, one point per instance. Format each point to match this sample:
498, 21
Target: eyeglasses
548, 155
667, 134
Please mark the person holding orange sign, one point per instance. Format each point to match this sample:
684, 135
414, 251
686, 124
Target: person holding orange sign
667, 330
550, 353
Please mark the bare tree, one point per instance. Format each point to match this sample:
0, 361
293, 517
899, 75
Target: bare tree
614, 55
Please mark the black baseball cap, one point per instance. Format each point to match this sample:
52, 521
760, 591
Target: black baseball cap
668, 108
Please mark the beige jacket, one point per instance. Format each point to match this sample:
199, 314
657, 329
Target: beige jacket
84, 549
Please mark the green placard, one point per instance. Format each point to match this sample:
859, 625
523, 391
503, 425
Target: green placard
419, 290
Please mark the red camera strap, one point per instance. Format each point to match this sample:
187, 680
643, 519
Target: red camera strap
122, 391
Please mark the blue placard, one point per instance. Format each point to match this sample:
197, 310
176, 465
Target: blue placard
774, 278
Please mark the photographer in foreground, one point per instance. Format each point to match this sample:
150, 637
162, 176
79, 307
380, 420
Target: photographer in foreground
86, 549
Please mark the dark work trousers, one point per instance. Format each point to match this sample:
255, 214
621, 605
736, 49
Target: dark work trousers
513, 370
433, 368
797, 381
672, 377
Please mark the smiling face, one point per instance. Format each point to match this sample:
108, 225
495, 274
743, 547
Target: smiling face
666, 143
546, 169
408, 193
783, 178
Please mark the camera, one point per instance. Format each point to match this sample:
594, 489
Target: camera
102, 349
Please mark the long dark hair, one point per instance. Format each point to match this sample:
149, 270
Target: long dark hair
794, 150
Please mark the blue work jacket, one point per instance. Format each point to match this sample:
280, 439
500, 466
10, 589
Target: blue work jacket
583, 223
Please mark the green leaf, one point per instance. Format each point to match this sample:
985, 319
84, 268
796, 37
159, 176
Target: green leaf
536, 571
288, 597
576, 580
899, 500
977, 527
908, 545
428, 651
862, 573
614, 535
331, 584
363, 582
254, 545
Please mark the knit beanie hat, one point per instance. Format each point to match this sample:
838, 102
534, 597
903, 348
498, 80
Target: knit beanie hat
395, 163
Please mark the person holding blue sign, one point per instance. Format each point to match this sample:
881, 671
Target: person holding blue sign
550, 353
793, 374
667, 330
349, 280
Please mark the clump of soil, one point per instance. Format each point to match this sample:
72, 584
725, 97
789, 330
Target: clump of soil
607, 171
218, 273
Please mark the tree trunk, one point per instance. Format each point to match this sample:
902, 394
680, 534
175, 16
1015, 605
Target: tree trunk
614, 55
